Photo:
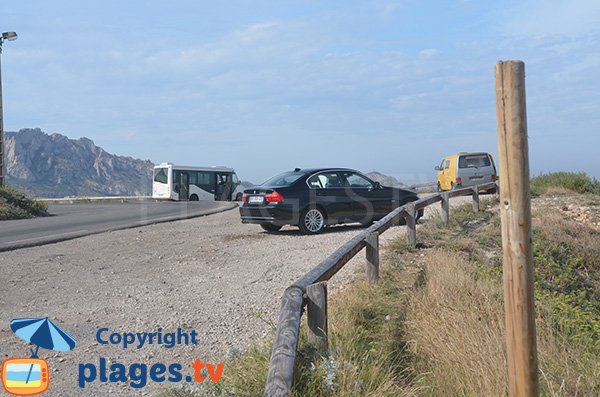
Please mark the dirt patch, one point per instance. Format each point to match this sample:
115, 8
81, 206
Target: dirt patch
581, 208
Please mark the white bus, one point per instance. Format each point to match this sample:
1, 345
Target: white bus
174, 182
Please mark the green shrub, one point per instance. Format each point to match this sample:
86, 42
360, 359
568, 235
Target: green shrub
15, 205
578, 182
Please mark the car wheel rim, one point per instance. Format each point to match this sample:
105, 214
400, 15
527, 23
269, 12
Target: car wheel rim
314, 220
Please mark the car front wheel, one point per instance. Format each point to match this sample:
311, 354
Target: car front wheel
269, 227
312, 221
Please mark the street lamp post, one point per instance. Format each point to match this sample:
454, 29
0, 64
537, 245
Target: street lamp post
9, 36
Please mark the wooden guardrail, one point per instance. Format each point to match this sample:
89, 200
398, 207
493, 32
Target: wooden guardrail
310, 290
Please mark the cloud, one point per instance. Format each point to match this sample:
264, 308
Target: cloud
428, 53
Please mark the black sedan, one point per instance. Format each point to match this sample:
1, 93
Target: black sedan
315, 198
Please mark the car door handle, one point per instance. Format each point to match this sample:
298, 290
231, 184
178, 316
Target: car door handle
321, 193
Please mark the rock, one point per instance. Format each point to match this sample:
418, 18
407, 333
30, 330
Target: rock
55, 166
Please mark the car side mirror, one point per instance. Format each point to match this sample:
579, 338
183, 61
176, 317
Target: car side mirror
376, 185
437, 168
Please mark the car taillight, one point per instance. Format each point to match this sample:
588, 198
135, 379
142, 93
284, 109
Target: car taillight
273, 198
244, 198
458, 181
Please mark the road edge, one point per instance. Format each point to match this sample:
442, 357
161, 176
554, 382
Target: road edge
75, 235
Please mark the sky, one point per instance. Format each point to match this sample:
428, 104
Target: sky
267, 86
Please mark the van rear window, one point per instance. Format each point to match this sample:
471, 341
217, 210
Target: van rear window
477, 160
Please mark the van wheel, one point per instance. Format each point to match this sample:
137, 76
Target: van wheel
194, 197
238, 197
454, 186
312, 221
439, 187
270, 228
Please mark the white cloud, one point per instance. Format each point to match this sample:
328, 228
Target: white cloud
428, 53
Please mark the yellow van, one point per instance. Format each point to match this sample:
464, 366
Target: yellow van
464, 170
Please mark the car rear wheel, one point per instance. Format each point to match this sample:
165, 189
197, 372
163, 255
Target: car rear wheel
312, 221
269, 227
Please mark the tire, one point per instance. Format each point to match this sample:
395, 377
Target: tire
439, 188
194, 197
238, 197
270, 227
420, 214
312, 220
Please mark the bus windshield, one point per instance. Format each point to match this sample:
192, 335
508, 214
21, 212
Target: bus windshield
160, 175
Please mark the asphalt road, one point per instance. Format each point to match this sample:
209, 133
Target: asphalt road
68, 221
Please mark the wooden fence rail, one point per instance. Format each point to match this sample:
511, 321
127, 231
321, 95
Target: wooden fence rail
311, 289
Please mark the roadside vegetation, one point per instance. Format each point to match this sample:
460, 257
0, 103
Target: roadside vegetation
15, 205
455, 323
564, 182
434, 324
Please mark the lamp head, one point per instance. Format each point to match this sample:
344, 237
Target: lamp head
10, 36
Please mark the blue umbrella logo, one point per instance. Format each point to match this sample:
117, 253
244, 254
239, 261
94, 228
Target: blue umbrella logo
43, 333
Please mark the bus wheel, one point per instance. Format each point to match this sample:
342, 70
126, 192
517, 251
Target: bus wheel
193, 197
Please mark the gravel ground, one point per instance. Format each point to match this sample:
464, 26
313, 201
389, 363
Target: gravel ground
210, 274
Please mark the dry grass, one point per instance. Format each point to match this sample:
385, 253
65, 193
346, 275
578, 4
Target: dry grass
455, 327
367, 354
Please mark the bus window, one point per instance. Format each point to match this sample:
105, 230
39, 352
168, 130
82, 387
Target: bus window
206, 181
193, 177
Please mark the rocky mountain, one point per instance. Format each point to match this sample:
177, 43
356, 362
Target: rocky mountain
56, 166
385, 180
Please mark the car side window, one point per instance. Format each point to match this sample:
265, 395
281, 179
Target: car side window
447, 165
325, 180
356, 180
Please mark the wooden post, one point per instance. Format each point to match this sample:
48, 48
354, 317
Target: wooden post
476, 198
515, 213
445, 214
317, 315
373, 257
411, 227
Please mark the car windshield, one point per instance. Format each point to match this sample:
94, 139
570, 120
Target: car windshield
285, 179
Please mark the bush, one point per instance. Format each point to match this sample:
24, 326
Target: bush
578, 182
15, 205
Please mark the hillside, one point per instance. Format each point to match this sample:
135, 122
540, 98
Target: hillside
53, 165
385, 180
